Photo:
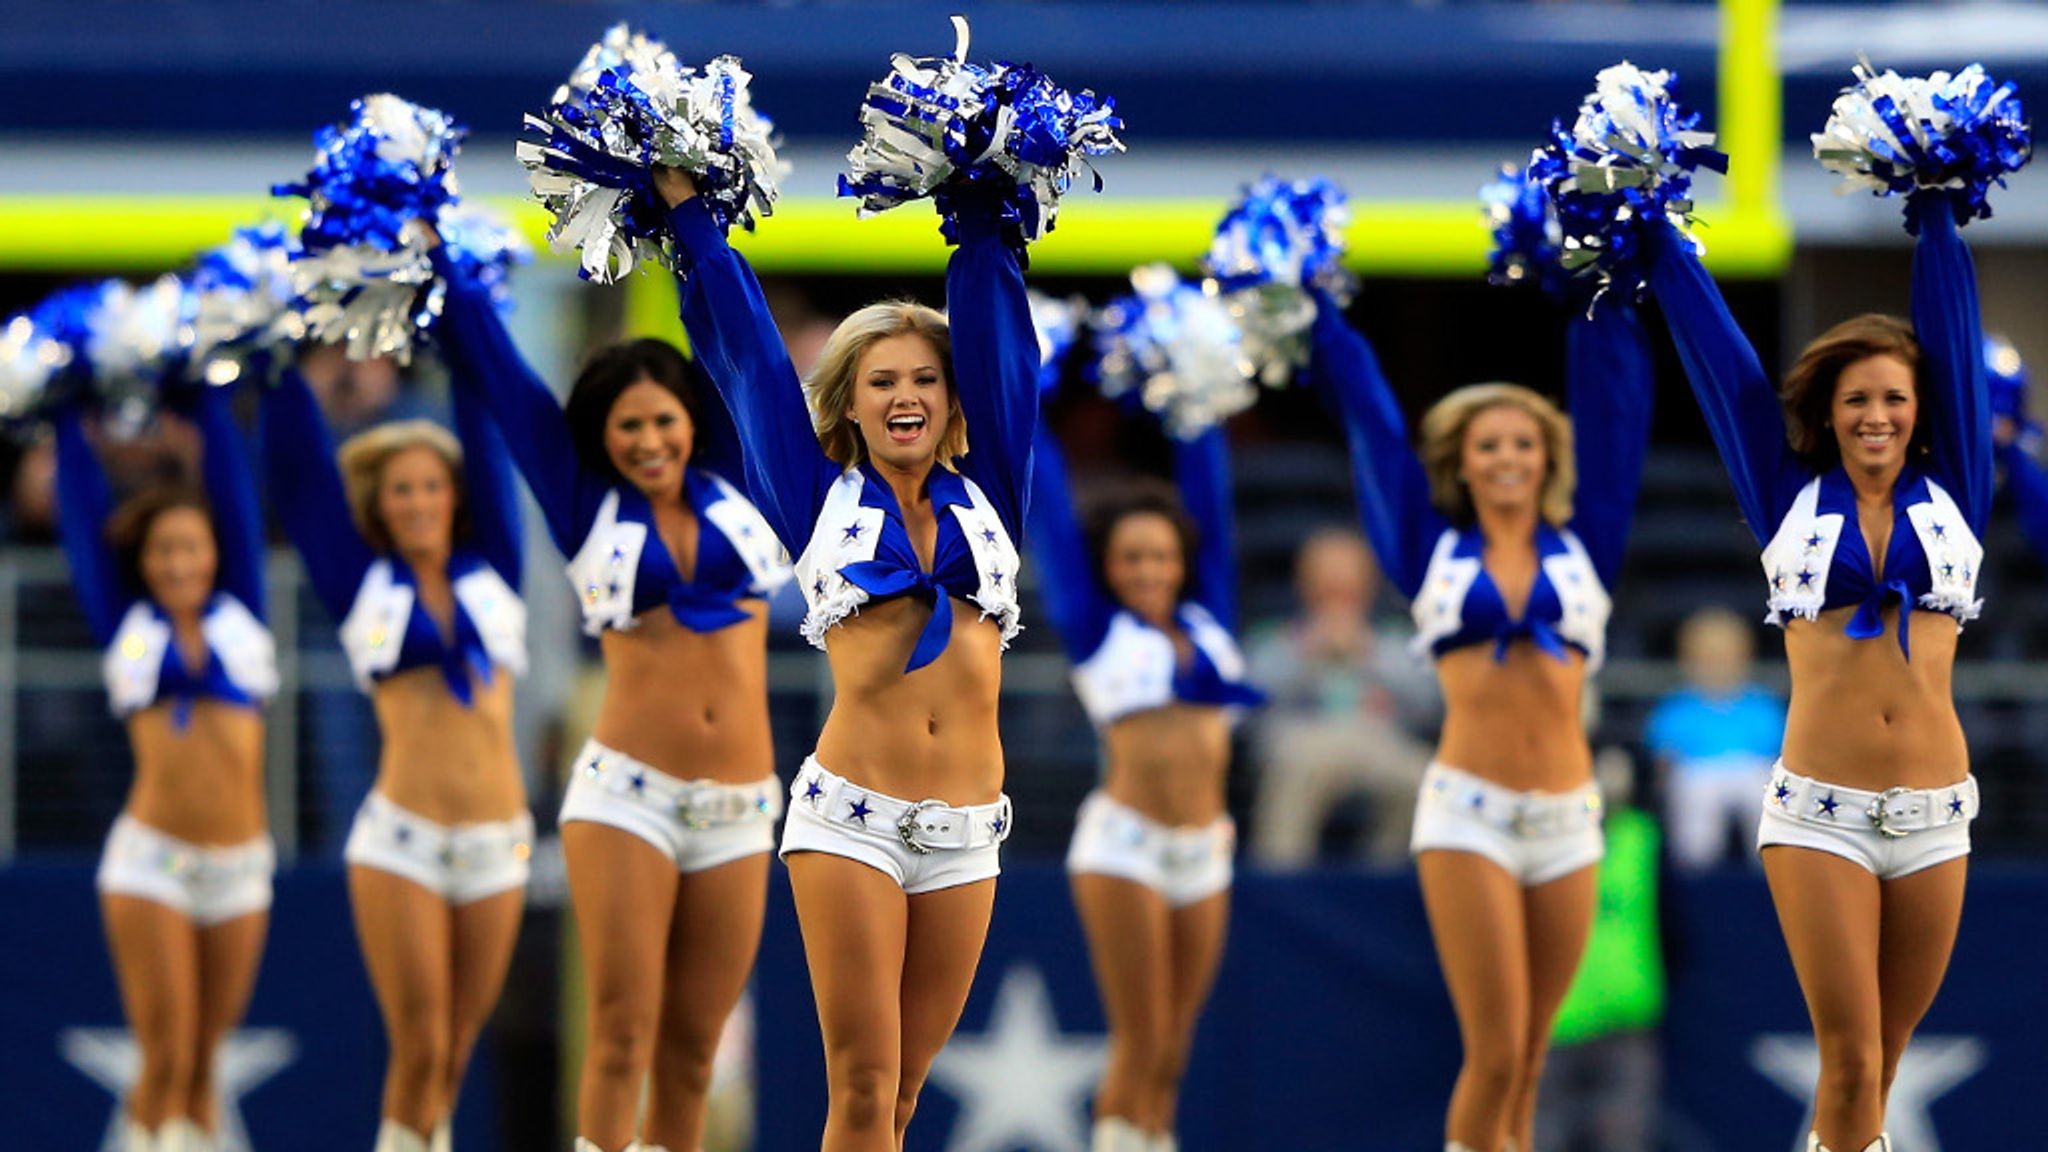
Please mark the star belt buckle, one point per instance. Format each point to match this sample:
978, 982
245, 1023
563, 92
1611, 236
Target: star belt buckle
907, 829
1880, 812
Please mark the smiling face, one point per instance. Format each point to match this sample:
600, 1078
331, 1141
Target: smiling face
1874, 410
178, 560
901, 401
1503, 461
1143, 564
416, 501
649, 437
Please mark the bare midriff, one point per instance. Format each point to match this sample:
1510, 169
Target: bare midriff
443, 761
692, 705
1862, 715
202, 783
1515, 722
928, 735
1169, 763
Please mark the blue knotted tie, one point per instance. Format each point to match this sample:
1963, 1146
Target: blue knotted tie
882, 580
1537, 631
465, 658
1868, 622
703, 611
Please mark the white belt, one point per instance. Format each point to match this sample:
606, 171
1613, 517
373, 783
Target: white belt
461, 847
696, 804
1893, 812
1531, 814
923, 826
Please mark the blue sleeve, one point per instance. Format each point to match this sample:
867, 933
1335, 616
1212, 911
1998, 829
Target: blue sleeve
83, 505
1201, 468
1736, 396
491, 491
305, 488
1392, 490
1066, 573
231, 489
1951, 334
526, 418
995, 362
2028, 483
1611, 381
734, 337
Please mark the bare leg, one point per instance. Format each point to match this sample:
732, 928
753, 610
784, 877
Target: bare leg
1829, 910
405, 934
229, 955
855, 924
1920, 915
942, 949
484, 933
714, 933
1476, 915
156, 961
624, 892
1130, 941
1197, 932
1559, 917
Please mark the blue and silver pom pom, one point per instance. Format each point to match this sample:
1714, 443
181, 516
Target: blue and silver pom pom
627, 107
486, 247
1896, 135
1629, 159
1004, 134
140, 340
1527, 241
1278, 240
362, 276
1058, 324
241, 297
1175, 349
29, 359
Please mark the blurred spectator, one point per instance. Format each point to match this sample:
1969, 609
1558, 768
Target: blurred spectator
1351, 710
1715, 739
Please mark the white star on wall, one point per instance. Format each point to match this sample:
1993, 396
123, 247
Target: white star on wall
1930, 1067
1021, 1083
245, 1059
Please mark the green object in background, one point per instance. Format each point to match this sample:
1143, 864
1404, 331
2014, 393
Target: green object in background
1620, 985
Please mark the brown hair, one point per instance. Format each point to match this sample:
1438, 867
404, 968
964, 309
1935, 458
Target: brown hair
830, 390
607, 375
1140, 496
363, 457
128, 528
1443, 448
1808, 392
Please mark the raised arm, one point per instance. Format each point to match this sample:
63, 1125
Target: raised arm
2028, 483
1611, 381
1066, 574
995, 361
231, 489
524, 414
1736, 396
735, 339
305, 488
1201, 467
1951, 334
491, 490
1392, 490
83, 505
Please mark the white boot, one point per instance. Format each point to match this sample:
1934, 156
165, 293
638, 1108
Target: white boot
1883, 1143
395, 1137
1116, 1134
183, 1134
136, 1138
443, 1139
1163, 1142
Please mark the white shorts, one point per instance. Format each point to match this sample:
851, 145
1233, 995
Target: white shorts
461, 864
923, 846
698, 824
1186, 865
1537, 836
209, 885
1893, 834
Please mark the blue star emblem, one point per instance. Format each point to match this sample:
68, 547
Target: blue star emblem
988, 534
1955, 806
1477, 802
612, 589
746, 531
1826, 805
618, 555
996, 578
1966, 574
1778, 581
1940, 530
997, 825
1813, 542
814, 791
1806, 577
854, 530
860, 811
1781, 792
403, 835
818, 586
637, 781
1947, 571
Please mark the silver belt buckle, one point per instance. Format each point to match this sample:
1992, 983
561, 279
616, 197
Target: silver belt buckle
906, 826
687, 808
1880, 812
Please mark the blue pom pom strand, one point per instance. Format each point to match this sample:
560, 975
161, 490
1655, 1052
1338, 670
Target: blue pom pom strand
1278, 240
1955, 136
1627, 160
1527, 241
1003, 137
1175, 349
628, 106
241, 301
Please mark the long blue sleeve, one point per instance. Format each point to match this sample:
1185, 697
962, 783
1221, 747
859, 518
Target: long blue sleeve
1611, 382
83, 504
1392, 489
995, 362
525, 416
1067, 582
305, 488
735, 339
1736, 396
1951, 334
231, 489
2028, 483
492, 492
1201, 467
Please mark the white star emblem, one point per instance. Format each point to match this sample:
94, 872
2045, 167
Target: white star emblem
1930, 1067
1022, 1084
245, 1060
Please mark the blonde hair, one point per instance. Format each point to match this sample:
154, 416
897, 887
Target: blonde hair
1443, 448
363, 457
830, 389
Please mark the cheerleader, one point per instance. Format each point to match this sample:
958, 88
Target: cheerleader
172, 585
412, 542
1866, 478
1509, 579
671, 805
2015, 439
1145, 602
896, 820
